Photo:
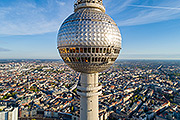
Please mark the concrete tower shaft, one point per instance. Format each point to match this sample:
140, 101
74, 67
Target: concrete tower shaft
89, 92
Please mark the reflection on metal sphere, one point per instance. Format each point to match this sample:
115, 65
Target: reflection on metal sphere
89, 41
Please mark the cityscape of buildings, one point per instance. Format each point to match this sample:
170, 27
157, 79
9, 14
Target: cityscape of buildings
47, 90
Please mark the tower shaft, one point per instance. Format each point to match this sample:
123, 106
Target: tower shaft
89, 91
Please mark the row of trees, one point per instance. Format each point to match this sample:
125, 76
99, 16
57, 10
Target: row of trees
8, 95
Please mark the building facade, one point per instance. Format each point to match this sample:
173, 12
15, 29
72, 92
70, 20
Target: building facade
9, 114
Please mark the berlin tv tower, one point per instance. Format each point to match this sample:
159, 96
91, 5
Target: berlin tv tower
89, 42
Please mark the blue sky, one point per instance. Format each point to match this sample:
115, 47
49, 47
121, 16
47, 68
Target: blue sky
150, 28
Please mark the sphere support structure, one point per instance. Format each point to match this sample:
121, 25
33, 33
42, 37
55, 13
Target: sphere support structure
89, 90
89, 41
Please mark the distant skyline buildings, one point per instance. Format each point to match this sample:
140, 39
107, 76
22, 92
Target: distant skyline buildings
150, 29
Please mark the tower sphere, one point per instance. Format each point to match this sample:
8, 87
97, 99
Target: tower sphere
89, 41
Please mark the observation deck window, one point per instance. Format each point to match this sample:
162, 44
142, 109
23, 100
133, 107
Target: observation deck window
99, 59
93, 50
96, 59
85, 50
100, 50
89, 59
76, 60
74, 50
81, 50
66, 59
77, 50
60, 50
64, 51
73, 59
93, 59
71, 51
102, 60
67, 49
108, 50
105, 59
86, 59
89, 50
97, 50
83, 59
104, 51
70, 59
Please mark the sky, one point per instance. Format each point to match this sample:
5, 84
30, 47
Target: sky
150, 29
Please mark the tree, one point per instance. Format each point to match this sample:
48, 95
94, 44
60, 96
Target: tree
5, 97
72, 108
13, 94
135, 96
152, 101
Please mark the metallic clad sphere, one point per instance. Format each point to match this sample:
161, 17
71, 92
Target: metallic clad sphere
89, 41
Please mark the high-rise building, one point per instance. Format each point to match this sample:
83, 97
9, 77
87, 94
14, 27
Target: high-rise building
9, 114
89, 42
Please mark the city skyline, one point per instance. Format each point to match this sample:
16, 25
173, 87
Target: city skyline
150, 29
131, 89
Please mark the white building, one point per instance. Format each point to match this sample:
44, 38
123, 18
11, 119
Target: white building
9, 115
